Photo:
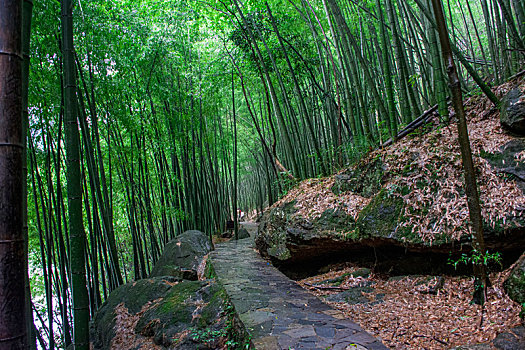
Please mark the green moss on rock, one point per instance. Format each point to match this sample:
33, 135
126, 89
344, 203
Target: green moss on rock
190, 304
515, 283
209, 270
185, 315
279, 251
183, 255
133, 296
271, 236
334, 220
365, 179
380, 217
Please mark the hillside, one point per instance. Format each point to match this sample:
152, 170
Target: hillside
411, 193
401, 211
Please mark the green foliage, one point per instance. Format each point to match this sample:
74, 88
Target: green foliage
477, 258
234, 340
412, 80
155, 94
286, 183
207, 335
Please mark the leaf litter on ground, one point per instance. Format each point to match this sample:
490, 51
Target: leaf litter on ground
409, 317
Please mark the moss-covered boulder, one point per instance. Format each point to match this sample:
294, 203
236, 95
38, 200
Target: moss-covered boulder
243, 233
512, 115
380, 218
381, 235
133, 296
365, 179
283, 236
404, 201
271, 234
515, 283
507, 161
166, 313
183, 255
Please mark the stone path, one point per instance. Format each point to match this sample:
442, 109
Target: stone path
277, 312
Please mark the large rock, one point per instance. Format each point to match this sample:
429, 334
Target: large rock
505, 160
183, 256
380, 235
243, 233
511, 340
515, 283
512, 116
166, 313
364, 179
283, 237
301, 247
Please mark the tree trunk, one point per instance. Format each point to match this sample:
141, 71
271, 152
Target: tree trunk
234, 189
27, 11
471, 189
74, 186
13, 333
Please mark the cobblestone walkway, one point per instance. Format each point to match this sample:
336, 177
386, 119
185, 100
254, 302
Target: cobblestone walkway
277, 312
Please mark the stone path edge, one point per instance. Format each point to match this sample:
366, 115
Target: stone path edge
275, 311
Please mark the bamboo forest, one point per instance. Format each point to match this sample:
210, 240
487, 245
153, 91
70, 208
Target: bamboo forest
245, 174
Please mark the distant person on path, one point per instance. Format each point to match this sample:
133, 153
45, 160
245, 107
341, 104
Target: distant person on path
240, 215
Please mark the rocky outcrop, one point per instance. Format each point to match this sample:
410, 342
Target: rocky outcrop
505, 162
171, 309
378, 234
243, 233
365, 180
512, 116
166, 313
515, 283
183, 255
511, 340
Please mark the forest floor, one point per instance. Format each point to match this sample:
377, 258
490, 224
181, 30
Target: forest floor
405, 314
404, 311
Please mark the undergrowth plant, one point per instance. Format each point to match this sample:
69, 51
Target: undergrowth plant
476, 257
